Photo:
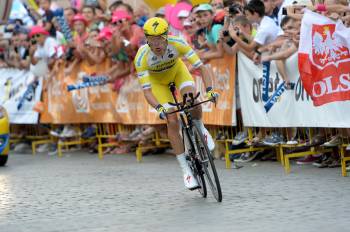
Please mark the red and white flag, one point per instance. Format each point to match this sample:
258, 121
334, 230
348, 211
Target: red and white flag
324, 58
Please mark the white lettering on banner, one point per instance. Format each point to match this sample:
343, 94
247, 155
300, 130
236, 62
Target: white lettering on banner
328, 86
12, 87
222, 80
223, 105
258, 86
293, 108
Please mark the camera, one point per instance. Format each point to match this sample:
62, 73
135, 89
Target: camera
284, 11
69, 55
33, 42
225, 33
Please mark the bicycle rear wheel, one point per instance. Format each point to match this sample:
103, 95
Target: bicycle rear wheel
207, 162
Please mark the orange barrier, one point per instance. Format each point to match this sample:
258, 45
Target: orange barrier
101, 104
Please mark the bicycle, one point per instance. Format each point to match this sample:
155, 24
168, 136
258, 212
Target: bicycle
199, 156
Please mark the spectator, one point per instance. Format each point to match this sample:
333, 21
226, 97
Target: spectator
89, 15
190, 29
288, 48
23, 50
217, 4
141, 15
47, 17
211, 47
131, 34
126, 7
102, 4
267, 30
81, 35
69, 13
239, 26
112, 7
42, 51
126, 40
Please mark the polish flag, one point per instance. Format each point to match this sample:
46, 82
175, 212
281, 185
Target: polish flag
324, 59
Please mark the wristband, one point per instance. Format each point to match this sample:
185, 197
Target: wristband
321, 7
158, 107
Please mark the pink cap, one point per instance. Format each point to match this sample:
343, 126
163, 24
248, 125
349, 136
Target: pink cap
79, 17
120, 14
105, 33
38, 30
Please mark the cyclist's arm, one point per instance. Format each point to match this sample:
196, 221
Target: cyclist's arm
150, 97
195, 61
205, 73
143, 77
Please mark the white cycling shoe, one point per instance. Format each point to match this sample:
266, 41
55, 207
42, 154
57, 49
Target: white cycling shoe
190, 181
209, 139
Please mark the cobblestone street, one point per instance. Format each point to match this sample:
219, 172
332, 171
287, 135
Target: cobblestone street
83, 194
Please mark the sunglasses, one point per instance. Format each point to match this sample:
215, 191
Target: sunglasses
36, 36
119, 22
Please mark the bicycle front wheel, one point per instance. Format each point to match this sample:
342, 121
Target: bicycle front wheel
207, 162
195, 164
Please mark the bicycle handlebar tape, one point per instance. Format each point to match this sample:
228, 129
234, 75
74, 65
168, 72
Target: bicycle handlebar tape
265, 81
275, 96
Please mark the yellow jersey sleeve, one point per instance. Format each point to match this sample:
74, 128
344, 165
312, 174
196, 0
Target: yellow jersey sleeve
186, 51
142, 68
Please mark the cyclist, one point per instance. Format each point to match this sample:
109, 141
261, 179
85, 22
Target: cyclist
159, 63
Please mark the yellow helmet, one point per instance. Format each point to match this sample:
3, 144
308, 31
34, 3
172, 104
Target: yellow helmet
155, 26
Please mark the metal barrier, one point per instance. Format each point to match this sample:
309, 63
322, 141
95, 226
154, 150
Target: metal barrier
107, 137
36, 134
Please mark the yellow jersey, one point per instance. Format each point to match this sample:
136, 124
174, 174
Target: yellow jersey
148, 65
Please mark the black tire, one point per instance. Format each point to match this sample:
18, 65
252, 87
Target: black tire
3, 160
195, 166
201, 181
207, 162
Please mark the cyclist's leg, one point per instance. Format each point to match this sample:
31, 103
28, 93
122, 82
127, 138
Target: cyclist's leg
163, 95
185, 84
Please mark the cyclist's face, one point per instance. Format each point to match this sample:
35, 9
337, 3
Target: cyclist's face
158, 44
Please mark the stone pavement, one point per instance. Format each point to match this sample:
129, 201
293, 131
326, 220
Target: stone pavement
83, 194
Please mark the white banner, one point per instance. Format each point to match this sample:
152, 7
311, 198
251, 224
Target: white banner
18, 95
294, 108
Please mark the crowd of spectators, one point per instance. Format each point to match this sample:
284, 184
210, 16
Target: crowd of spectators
263, 30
